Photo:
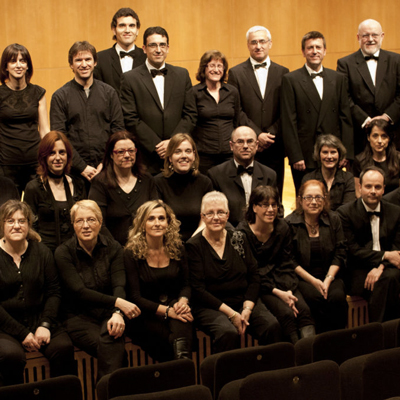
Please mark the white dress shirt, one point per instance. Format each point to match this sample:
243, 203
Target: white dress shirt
318, 80
127, 61
247, 180
374, 220
159, 81
261, 74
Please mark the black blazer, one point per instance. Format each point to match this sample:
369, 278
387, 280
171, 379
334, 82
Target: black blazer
367, 100
357, 229
304, 115
108, 68
225, 179
144, 115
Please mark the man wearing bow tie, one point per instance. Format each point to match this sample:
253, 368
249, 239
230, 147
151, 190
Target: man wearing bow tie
124, 55
236, 178
314, 101
155, 100
372, 229
374, 83
258, 80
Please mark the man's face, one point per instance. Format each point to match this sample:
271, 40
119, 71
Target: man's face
259, 45
83, 65
244, 145
370, 37
126, 31
156, 50
314, 52
372, 188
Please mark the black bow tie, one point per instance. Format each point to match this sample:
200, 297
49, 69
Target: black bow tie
262, 65
367, 58
122, 54
241, 170
372, 213
314, 74
155, 72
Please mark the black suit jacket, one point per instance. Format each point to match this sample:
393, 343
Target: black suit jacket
304, 115
144, 115
367, 100
393, 197
225, 179
108, 68
357, 229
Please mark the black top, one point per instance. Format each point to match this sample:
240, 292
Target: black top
8, 190
45, 208
342, 189
91, 284
331, 236
30, 294
215, 121
274, 257
118, 207
149, 287
88, 122
19, 124
183, 192
231, 279
390, 183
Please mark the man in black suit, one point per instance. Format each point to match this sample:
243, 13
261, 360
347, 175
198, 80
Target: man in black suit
236, 178
124, 55
314, 101
372, 230
258, 80
374, 83
155, 100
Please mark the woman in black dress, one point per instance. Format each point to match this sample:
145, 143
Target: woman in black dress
29, 299
157, 274
53, 193
23, 116
122, 186
271, 243
380, 151
319, 249
181, 185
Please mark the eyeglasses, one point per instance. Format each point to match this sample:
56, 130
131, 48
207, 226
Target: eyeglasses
262, 42
265, 206
375, 36
241, 142
318, 199
12, 222
154, 46
90, 221
121, 152
219, 214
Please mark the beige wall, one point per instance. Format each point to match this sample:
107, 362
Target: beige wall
49, 27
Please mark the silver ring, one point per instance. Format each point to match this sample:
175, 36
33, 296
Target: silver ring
133, 314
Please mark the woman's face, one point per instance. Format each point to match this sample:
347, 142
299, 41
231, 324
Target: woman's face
183, 158
379, 140
16, 227
156, 223
124, 154
313, 200
266, 211
215, 216
329, 157
17, 68
86, 225
214, 70
57, 159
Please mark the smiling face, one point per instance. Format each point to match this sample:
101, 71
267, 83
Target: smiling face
57, 159
86, 226
156, 50
124, 154
183, 158
329, 157
372, 188
313, 200
157, 223
314, 52
266, 211
214, 70
126, 32
370, 36
16, 227
215, 216
17, 68
379, 140
83, 66
259, 45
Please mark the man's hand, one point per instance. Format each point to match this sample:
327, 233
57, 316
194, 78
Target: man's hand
42, 335
300, 165
116, 326
372, 277
89, 173
30, 343
161, 148
393, 257
265, 140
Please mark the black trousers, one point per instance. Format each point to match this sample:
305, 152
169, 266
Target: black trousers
208, 161
19, 174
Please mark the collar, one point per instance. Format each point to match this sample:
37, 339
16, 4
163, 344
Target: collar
299, 219
79, 86
150, 67
237, 164
203, 86
311, 71
254, 62
101, 242
376, 54
118, 48
369, 209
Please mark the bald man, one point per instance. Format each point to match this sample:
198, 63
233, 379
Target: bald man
374, 83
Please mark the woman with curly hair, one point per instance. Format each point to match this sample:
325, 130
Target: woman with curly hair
157, 277
226, 282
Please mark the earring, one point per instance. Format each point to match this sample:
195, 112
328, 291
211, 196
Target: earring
171, 167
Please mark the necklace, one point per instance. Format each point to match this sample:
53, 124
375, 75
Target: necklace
313, 228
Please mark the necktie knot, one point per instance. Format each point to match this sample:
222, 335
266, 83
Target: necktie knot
155, 72
123, 54
314, 74
367, 58
262, 65
241, 170
372, 213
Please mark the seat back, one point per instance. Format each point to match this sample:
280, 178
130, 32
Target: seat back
316, 381
391, 333
61, 388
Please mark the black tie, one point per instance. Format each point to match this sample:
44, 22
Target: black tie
241, 170
372, 213
262, 65
314, 74
122, 54
367, 58
155, 72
